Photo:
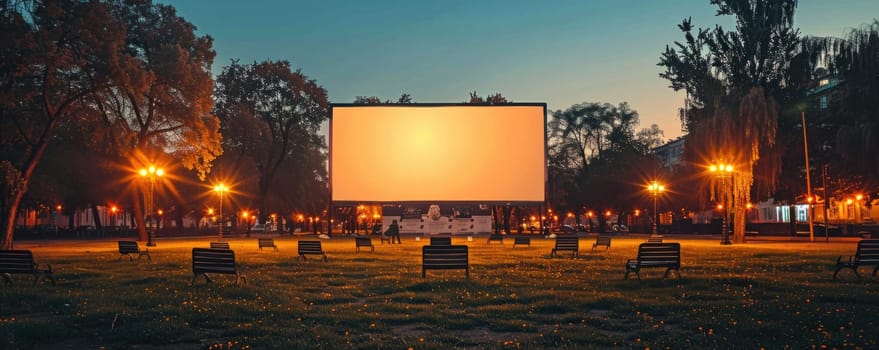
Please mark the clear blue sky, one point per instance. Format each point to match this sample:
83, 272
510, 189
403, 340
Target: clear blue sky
558, 52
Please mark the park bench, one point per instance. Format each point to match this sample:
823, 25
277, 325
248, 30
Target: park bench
363, 242
220, 245
22, 262
444, 257
867, 254
441, 241
601, 241
130, 248
667, 255
209, 260
311, 248
567, 243
522, 241
267, 243
496, 237
654, 239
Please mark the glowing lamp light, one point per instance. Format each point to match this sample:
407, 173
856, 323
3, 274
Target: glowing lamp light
589, 214
58, 207
849, 201
113, 209
720, 207
859, 197
637, 212
160, 212
211, 211
749, 205
607, 213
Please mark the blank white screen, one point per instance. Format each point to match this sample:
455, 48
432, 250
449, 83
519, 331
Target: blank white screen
437, 153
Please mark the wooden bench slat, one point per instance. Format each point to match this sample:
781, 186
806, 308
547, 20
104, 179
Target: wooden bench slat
667, 255
130, 248
566, 243
22, 262
522, 241
440, 241
267, 243
310, 248
442, 257
363, 242
214, 260
601, 241
867, 254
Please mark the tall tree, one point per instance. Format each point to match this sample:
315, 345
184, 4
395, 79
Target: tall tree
271, 116
589, 144
54, 54
131, 74
735, 80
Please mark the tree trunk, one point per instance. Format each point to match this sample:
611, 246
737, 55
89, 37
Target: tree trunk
507, 212
99, 227
792, 214
29, 166
139, 218
178, 218
739, 225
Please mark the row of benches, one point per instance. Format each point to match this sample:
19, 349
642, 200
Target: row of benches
440, 255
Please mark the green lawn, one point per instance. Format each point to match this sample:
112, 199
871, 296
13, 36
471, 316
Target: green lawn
758, 295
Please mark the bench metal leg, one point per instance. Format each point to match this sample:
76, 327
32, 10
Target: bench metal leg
854, 269
668, 272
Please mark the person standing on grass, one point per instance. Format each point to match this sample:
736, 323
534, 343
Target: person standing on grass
393, 231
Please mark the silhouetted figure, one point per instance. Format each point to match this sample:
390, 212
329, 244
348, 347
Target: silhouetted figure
393, 231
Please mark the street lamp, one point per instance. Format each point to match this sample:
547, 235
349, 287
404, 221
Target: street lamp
656, 189
220, 189
723, 171
151, 173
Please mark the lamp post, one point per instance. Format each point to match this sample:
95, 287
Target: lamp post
808, 180
151, 173
723, 171
656, 189
220, 189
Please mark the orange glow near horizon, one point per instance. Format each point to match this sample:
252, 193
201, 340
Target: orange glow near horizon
441, 153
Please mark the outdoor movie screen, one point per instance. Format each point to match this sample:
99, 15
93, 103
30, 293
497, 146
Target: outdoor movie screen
438, 153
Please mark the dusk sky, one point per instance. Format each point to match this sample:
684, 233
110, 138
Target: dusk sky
558, 52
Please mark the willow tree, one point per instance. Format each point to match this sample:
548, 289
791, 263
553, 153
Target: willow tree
734, 81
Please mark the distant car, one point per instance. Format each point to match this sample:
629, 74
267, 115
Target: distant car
620, 228
259, 228
568, 229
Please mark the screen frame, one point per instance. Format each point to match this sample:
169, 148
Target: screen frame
332, 202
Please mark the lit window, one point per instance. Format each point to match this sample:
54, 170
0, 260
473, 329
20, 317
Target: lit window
822, 102
823, 82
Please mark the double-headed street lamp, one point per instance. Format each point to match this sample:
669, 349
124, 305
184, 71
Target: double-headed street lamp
723, 171
656, 189
151, 173
220, 189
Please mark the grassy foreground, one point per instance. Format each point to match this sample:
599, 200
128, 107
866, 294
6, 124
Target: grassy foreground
758, 295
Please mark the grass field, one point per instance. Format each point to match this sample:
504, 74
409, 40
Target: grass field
772, 295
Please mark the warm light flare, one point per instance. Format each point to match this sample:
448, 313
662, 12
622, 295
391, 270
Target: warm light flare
859, 197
